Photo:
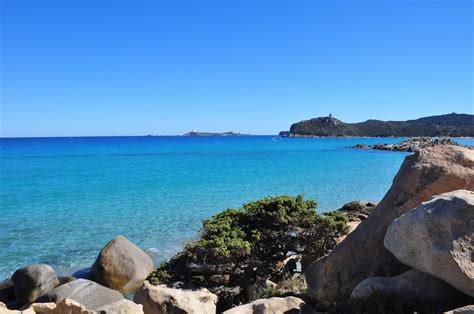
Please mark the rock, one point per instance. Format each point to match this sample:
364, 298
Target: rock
65, 306
438, 238
410, 145
123, 307
357, 210
162, 300
82, 273
5, 310
468, 309
416, 290
361, 255
286, 305
121, 265
7, 291
66, 279
88, 293
255, 289
32, 281
72, 307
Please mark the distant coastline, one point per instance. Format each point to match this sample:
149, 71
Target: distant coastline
449, 125
230, 133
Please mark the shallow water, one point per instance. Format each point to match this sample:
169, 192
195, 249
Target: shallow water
62, 199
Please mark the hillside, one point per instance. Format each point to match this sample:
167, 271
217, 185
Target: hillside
454, 125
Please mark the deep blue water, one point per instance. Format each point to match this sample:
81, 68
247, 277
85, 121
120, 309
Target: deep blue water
62, 199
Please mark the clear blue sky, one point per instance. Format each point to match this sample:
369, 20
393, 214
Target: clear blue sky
166, 67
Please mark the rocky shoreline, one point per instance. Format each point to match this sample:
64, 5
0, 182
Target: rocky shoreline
411, 145
410, 252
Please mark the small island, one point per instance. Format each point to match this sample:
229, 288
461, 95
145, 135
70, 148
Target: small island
195, 133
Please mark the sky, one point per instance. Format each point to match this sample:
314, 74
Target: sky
105, 67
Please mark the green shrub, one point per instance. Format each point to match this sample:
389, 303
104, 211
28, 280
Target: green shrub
254, 240
160, 275
339, 221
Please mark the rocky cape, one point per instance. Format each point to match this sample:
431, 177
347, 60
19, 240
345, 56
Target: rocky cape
448, 125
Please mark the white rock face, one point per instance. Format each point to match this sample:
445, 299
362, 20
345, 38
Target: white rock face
163, 300
438, 238
288, 305
68, 306
121, 307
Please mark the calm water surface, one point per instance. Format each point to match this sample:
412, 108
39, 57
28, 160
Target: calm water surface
62, 199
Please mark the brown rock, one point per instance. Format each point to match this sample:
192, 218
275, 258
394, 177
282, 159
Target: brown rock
361, 255
121, 265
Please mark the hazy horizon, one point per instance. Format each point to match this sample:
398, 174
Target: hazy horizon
126, 68
195, 130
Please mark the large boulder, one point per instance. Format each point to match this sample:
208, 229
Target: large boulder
416, 290
438, 238
7, 291
85, 292
288, 305
361, 255
164, 300
468, 309
121, 265
32, 281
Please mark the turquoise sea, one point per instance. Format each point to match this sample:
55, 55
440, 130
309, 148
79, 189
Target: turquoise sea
62, 199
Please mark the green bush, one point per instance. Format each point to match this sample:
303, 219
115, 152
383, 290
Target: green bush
339, 221
160, 275
238, 245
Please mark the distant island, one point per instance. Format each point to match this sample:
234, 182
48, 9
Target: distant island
448, 125
194, 133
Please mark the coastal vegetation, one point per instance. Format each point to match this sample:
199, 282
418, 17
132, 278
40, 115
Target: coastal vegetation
264, 239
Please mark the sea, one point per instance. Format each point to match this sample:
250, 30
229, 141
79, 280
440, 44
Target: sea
62, 199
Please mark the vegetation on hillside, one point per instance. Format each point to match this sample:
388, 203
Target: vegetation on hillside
455, 125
